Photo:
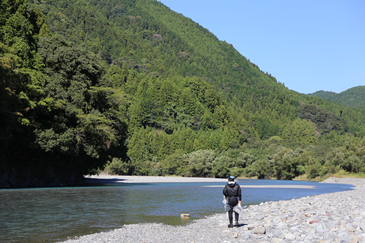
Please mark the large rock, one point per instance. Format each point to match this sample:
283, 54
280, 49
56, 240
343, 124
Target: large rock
260, 230
289, 236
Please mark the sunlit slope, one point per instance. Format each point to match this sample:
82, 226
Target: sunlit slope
151, 38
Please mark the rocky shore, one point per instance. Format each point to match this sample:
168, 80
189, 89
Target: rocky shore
333, 217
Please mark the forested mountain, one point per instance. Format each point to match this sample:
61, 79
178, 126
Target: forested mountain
354, 97
135, 85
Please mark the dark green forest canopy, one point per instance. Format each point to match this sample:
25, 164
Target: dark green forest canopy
138, 87
57, 122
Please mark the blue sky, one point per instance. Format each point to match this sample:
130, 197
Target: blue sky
308, 45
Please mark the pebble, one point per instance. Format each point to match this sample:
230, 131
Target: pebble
332, 217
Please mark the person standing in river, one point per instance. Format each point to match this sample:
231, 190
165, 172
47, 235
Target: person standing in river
232, 192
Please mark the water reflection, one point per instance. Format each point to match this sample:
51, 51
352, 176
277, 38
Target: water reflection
51, 214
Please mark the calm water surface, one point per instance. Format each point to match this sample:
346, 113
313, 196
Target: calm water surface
53, 214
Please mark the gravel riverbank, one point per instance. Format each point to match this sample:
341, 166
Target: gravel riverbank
333, 217
116, 179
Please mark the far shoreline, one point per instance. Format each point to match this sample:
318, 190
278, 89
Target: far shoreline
129, 179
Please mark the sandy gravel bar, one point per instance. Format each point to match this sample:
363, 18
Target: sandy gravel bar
109, 179
326, 218
146, 179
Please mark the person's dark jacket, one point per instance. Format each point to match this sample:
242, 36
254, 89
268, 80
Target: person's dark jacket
232, 190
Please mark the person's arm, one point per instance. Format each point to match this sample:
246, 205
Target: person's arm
225, 191
239, 194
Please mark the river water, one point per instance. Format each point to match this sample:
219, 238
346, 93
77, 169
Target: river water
53, 214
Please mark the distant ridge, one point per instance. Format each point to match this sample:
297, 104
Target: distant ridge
353, 97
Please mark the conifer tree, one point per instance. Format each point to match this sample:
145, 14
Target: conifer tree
187, 102
166, 148
189, 138
124, 74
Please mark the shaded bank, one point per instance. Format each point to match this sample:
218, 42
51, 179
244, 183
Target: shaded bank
35, 177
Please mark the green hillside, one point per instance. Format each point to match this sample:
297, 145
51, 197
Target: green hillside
327, 95
354, 97
146, 91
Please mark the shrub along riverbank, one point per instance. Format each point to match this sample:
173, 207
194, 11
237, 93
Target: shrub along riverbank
271, 159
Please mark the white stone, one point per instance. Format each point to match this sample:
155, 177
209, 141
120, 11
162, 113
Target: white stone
289, 236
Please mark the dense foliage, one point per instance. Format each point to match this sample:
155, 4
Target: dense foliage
57, 122
146, 91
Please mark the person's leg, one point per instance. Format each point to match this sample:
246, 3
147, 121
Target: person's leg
230, 215
236, 216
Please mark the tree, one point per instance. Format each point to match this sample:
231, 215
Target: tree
187, 102
221, 167
77, 128
174, 164
244, 160
262, 169
137, 146
138, 113
211, 98
301, 131
166, 148
287, 163
200, 162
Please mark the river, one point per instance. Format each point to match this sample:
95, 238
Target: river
53, 214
